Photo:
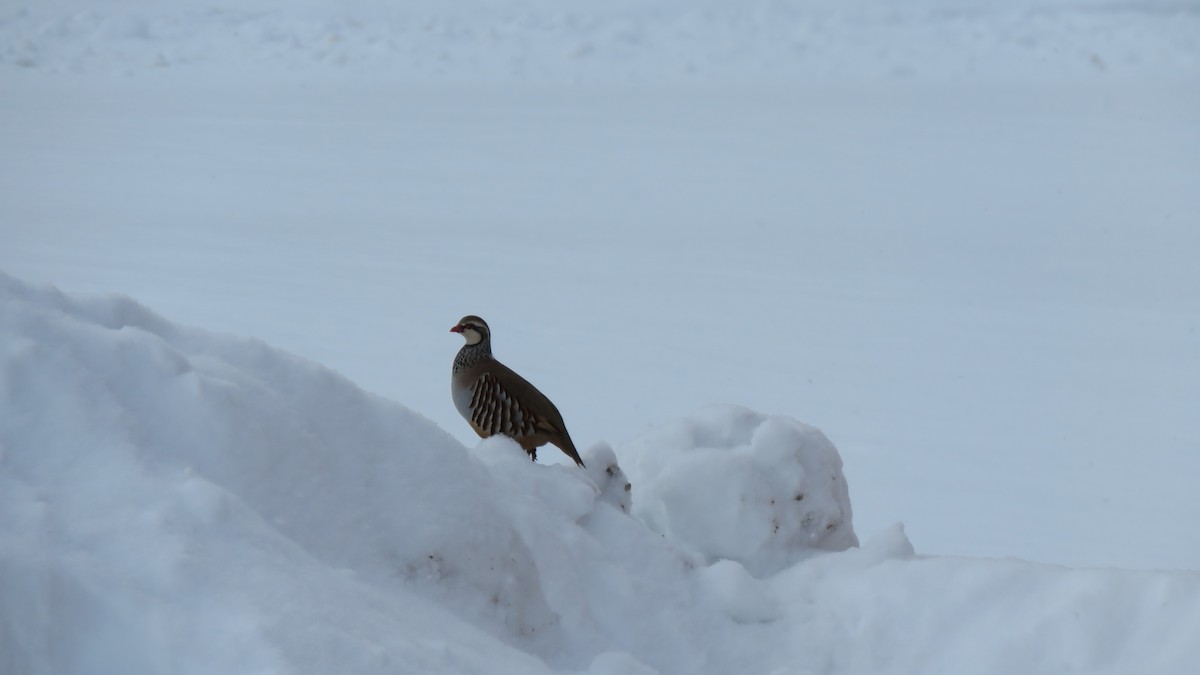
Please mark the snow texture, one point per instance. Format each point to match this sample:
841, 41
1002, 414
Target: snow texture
625, 41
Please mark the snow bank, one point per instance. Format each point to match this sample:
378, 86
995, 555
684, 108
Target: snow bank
159, 482
173, 500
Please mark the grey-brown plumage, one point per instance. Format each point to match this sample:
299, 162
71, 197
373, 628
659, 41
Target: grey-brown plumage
496, 400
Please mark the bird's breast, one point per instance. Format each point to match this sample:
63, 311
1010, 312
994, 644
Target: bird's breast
462, 398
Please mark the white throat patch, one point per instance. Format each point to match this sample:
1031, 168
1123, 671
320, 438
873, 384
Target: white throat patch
472, 336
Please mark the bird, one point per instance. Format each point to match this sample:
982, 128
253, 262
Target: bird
496, 400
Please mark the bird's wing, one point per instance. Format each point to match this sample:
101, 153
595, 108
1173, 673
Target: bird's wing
495, 410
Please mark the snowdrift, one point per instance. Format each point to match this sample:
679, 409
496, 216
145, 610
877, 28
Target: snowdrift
173, 500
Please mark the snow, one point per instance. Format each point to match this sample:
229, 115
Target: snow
975, 291
160, 483
594, 41
778, 484
933, 259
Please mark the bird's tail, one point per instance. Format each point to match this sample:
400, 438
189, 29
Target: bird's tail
568, 447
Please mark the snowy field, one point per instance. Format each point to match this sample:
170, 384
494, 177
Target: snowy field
959, 241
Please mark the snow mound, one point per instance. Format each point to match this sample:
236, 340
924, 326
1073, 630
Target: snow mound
173, 500
146, 461
159, 482
730, 483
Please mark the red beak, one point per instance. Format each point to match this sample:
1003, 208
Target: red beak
456, 329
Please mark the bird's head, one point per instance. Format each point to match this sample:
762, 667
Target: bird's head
473, 329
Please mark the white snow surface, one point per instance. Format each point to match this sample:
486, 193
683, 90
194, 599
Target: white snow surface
777, 486
959, 237
174, 500
613, 40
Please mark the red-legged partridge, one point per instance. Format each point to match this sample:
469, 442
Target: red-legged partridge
495, 400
